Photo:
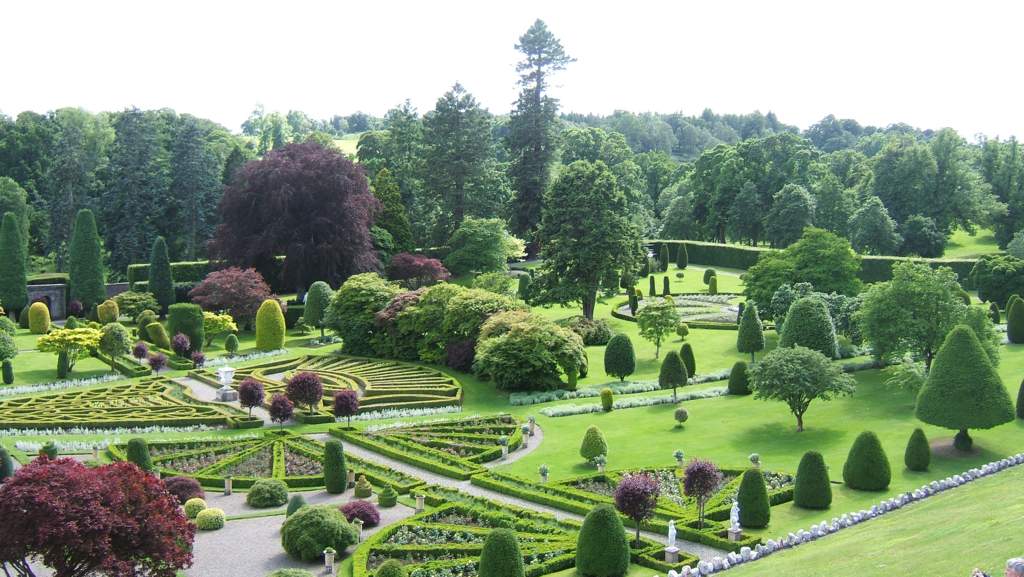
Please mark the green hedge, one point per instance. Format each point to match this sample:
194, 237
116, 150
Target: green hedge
462, 473
126, 367
48, 278
196, 271
872, 268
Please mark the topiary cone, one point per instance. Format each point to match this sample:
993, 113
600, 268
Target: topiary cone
335, 471
593, 444
867, 466
918, 454
602, 549
755, 509
1015, 322
500, 556
812, 489
739, 380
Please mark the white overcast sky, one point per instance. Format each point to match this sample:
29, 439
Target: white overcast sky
929, 64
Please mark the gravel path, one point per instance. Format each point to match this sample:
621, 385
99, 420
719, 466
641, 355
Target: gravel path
205, 392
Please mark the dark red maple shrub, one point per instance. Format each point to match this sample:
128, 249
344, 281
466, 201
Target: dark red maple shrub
238, 292
281, 408
636, 497
184, 488
250, 394
346, 404
365, 511
306, 388
416, 270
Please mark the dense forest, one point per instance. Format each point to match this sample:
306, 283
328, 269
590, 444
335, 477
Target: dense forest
746, 178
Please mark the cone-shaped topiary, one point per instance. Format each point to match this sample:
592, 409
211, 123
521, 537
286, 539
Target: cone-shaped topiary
593, 444
993, 313
1020, 401
1015, 322
13, 268
682, 257
686, 353
750, 337
962, 390
161, 278
269, 326
500, 556
666, 287
808, 324
663, 257
231, 344
390, 568
187, 319
38, 318
755, 509
650, 289
739, 380
387, 497
138, 453
619, 357
335, 471
673, 372
296, 502
602, 549
6, 464
918, 455
85, 262
867, 467
713, 285
812, 489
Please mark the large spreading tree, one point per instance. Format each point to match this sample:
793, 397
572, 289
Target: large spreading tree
587, 236
304, 201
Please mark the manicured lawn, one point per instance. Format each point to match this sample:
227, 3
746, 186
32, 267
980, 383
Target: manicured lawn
963, 245
347, 143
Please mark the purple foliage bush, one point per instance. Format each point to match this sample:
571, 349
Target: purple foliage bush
140, 350
198, 359
157, 361
250, 394
459, 355
184, 488
305, 388
363, 510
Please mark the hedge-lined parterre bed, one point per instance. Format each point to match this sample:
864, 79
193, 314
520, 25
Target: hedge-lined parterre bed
153, 401
581, 494
381, 384
291, 458
453, 448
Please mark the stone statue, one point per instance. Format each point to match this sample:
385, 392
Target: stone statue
734, 516
671, 533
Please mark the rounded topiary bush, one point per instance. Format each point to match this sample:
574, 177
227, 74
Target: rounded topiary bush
755, 509
619, 357
193, 507
363, 489
231, 344
138, 453
713, 285
210, 519
681, 415
294, 504
918, 455
393, 567
184, 488
158, 335
812, 489
593, 444
1020, 401
388, 497
267, 493
365, 511
739, 380
38, 318
108, 311
867, 467
607, 399
187, 319
602, 549
808, 324
270, 326
500, 556
312, 529
335, 471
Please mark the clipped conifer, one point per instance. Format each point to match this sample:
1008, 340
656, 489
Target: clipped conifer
138, 453
663, 257
755, 509
867, 466
750, 337
808, 324
739, 380
666, 287
269, 326
1015, 321
161, 278
918, 455
686, 353
651, 288
593, 444
682, 257
13, 266
85, 262
335, 470
619, 357
812, 488
500, 556
602, 548
673, 372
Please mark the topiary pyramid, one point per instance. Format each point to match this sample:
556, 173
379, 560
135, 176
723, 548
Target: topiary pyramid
808, 324
602, 549
750, 336
593, 444
812, 489
755, 509
619, 357
686, 353
918, 455
739, 380
1015, 322
673, 372
500, 556
867, 466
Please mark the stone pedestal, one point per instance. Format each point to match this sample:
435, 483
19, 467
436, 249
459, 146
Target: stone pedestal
358, 524
533, 427
420, 503
735, 534
671, 555
504, 452
226, 394
227, 486
329, 562
351, 478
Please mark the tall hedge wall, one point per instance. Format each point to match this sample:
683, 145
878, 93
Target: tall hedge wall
193, 272
872, 268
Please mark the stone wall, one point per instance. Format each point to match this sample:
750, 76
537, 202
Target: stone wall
54, 295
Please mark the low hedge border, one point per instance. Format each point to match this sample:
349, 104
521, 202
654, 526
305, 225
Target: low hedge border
460, 473
125, 367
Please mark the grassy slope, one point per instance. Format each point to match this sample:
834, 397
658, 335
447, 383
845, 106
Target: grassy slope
963, 245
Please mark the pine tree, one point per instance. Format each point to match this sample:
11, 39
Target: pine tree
750, 337
13, 270
196, 185
392, 217
161, 280
963, 391
619, 357
85, 266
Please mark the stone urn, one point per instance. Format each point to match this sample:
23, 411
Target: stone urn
226, 393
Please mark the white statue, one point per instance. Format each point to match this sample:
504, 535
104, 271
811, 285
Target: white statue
671, 533
734, 516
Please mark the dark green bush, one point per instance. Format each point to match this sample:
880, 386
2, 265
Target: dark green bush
390, 568
619, 357
270, 326
709, 273
500, 556
187, 319
812, 489
663, 259
682, 256
713, 285
607, 399
143, 320
388, 497
686, 354
267, 493
161, 279
1020, 401
311, 529
808, 324
993, 313
1015, 322
138, 453
335, 471
8, 372
23, 317
666, 287
918, 455
755, 509
739, 380
6, 464
296, 502
602, 549
867, 466
231, 344
593, 444
673, 372
651, 287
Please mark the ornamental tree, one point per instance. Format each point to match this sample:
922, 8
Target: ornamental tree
812, 488
115, 342
250, 394
593, 444
482, 245
161, 278
750, 337
110, 520
500, 555
755, 509
673, 372
636, 497
71, 344
305, 388
346, 404
657, 321
963, 391
238, 292
318, 297
602, 548
351, 314
797, 376
85, 262
700, 481
281, 409
215, 325
13, 270
619, 357
305, 201
415, 270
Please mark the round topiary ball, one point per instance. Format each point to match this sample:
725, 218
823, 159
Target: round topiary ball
392, 567
682, 415
312, 529
812, 489
193, 507
210, 519
601, 547
267, 493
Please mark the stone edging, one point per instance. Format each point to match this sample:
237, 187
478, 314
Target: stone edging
825, 528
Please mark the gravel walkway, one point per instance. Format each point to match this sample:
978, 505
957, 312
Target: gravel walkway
205, 392
235, 504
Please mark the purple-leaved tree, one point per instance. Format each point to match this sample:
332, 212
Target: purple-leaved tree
636, 497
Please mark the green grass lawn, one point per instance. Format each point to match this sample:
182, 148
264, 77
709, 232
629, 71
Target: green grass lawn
963, 245
347, 143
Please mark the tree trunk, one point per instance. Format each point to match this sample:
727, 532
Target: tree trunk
589, 303
799, 422
638, 533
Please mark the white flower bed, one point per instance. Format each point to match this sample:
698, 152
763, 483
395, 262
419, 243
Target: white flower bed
397, 413
104, 431
817, 531
221, 361
570, 410
625, 388
397, 424
79, 447
59, 385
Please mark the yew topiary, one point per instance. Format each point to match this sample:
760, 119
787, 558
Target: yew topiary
682, 257
311, 529
193, 506
602, 549
867, 466
918, 455
607, 399
335, 471
619, 357
500, 556
158, 335
39, 318
270, 326
686, 354
363, 489
755, 509
108, 311
739, 380
138, 453
673, 372
808, 324
267, 493
388, 497
390, 568
1015, 321
187, 319
593, 444
750, 336
813, 488
296, 502
210, 519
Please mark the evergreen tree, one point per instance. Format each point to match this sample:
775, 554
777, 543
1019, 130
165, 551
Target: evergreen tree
161, 279
1015, 320
792, 210
963, 391
682, 256
651, 286
85, 262
318, 298
13, 270
235, 160
867, 466
593, 444
500, 555
619, 356
533, 124
750, 337
808, 324
335, 470
195, 186
392, 217
686, 353
812, 489
673, 372
14, 199
663, 257
739, 380
138, 453
918, 455
602, 549
755, 509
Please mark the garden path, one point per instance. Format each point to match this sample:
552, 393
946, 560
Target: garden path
702, 551
205, 392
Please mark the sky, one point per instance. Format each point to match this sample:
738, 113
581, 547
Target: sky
928, 64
